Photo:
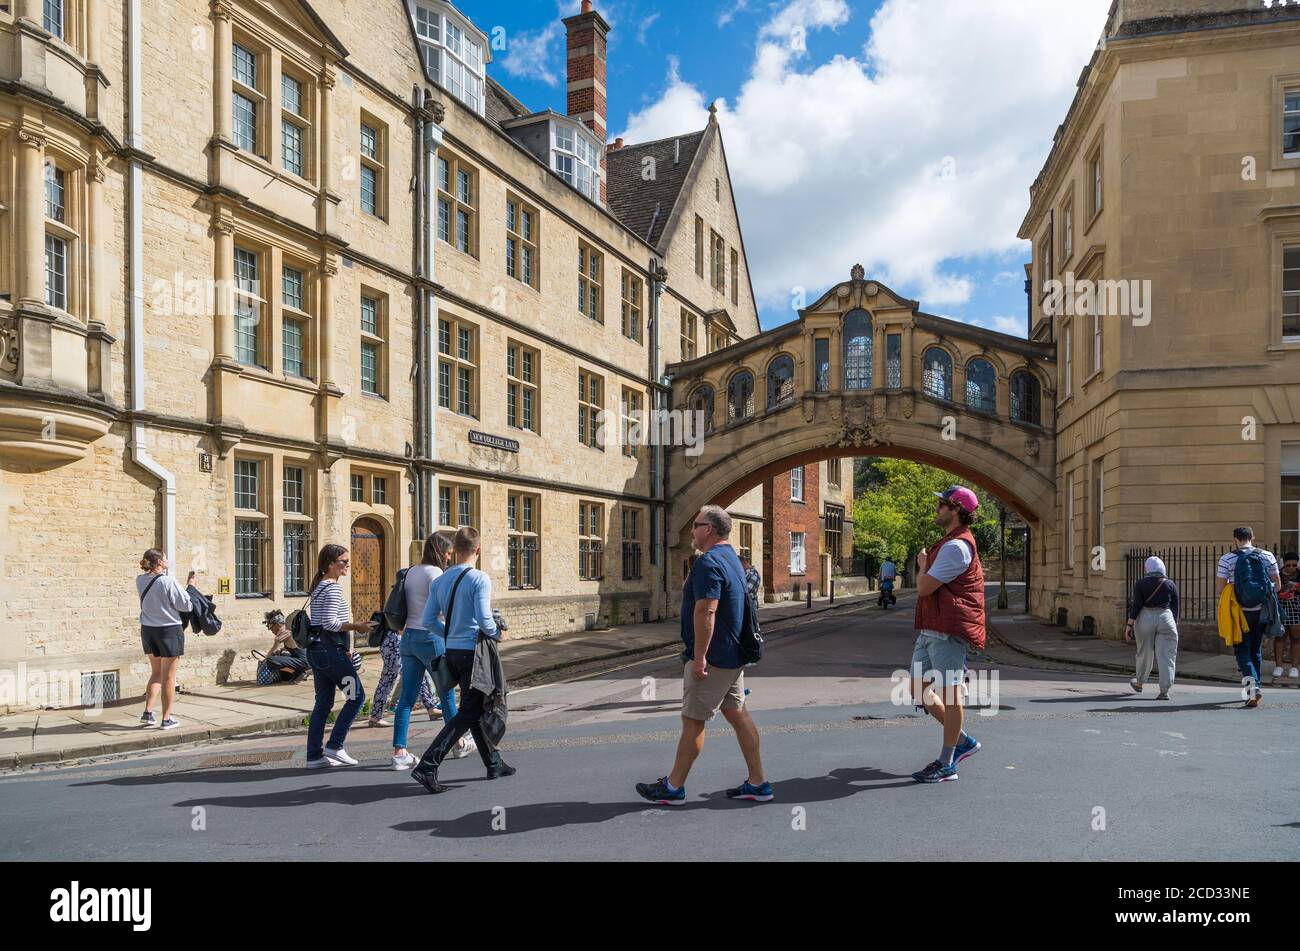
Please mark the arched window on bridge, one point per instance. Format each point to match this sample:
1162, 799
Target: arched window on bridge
857, 350
701, 401
780, 381
936, 374
740, 396
1026, 398
981, 386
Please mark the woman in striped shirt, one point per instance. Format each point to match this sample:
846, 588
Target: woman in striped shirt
331, 660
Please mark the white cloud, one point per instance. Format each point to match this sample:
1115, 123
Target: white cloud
1007, 325
529, 56
643, 27
729, 14
917, 151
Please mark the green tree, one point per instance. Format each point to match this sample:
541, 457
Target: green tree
895, 513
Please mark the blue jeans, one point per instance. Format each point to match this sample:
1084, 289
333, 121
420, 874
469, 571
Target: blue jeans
419, 650
332, 670
1250, 649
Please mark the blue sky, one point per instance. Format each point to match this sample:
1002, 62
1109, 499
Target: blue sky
899, 134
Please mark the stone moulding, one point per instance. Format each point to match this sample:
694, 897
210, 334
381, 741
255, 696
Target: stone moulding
47, 433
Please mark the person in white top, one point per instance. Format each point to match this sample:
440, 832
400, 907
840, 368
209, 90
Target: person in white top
416, 588
419, 650
162, 633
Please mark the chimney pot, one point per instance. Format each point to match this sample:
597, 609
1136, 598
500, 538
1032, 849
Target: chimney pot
586, 6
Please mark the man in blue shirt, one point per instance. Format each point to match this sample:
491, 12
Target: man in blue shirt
465, 618
713, 610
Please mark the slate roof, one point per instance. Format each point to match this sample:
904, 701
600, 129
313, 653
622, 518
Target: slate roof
645, 206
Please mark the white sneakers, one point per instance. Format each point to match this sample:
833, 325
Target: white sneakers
404, 760
321, 763
464, 748
1295, 672
1277, 673
339, 757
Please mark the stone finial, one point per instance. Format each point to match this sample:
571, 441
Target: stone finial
859, 273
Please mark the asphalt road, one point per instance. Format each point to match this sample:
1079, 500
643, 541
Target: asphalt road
1198, 777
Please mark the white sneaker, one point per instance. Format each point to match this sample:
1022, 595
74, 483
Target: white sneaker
1295, 672
404, 760
1277, 673
339, 757
463, 749
321, 763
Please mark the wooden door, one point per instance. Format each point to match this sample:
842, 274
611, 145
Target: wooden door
368, 574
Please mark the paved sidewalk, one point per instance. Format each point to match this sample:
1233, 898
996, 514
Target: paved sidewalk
224, 710
1036, 638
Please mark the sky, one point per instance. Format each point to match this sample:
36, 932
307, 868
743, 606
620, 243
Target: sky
902, 135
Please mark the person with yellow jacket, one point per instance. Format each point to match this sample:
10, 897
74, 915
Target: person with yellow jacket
1252, 573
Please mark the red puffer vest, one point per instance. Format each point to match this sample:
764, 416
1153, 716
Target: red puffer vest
958, 606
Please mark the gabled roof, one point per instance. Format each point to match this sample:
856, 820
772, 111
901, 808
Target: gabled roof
320, 24
645, 207
499, 105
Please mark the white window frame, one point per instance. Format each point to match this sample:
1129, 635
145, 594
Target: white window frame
454, 54
798, 553
576, 158
796, 484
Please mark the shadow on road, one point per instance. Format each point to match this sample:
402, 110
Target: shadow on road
1165, 707
839, 784
1096, 698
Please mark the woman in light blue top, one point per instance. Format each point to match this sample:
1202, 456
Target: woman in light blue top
420, 649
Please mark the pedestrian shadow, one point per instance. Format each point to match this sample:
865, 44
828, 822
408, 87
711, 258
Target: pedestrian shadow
1288, 825
313, 796
632, 706
226, 775
77, 728
1166, 706
533, 817
1095, 698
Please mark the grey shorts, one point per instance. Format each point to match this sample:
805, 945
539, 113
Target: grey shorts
722, 689
166, 641
941, 656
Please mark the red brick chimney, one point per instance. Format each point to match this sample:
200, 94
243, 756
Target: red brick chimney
586, 74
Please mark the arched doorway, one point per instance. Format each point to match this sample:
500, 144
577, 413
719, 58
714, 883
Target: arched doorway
369, 575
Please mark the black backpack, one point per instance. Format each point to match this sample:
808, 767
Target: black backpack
751, 636
299, 623
395, 606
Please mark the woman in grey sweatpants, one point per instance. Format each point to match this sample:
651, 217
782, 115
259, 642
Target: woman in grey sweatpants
1153, 617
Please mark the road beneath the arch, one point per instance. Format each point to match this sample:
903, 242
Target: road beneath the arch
1197, 777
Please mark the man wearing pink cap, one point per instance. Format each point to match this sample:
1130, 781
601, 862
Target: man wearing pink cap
949, 619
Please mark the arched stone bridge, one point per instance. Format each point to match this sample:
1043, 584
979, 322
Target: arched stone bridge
863, 372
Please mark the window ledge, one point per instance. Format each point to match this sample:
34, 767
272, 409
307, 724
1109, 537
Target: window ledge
1287, 343
1094, 375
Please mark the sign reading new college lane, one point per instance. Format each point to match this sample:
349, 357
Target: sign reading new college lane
495, 442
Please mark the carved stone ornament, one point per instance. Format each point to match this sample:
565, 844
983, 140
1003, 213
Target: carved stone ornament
493, 460
859, 437
1031, 447
439, 112
9, 344
906, 405
858, 273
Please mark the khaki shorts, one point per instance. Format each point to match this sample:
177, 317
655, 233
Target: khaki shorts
722, 689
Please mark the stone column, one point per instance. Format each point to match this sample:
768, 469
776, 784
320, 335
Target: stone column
325, 152
225, 299
33, 10
29, 219
98, 234
837, 359
907, 356
223, 69
93, 26
878, 355
329, 267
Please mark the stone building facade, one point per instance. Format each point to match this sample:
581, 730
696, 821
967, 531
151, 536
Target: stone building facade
1174, 176
269, 281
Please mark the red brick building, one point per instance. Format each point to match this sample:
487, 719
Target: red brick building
792, 544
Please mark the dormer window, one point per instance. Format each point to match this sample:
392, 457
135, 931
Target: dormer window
453, 51
575, 160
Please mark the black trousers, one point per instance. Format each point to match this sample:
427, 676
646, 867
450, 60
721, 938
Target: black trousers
466, 719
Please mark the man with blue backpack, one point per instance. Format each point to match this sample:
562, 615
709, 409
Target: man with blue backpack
1254, 577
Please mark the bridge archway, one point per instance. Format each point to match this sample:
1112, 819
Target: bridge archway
856, 397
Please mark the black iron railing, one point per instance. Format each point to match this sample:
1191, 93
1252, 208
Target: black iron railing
1192, 568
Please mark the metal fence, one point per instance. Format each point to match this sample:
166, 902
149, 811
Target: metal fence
1191, 567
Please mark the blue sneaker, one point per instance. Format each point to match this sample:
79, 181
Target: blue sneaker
969, 747
658, 792
748, 790
936, 772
